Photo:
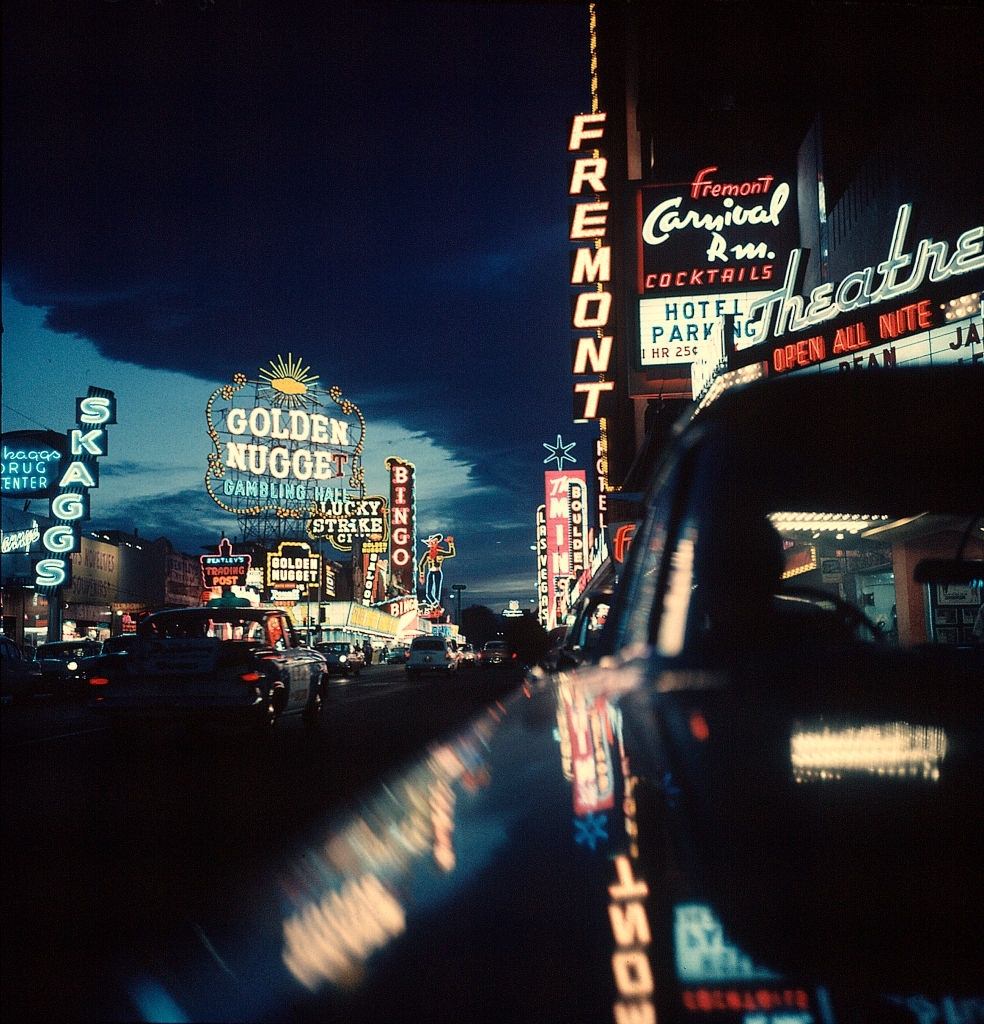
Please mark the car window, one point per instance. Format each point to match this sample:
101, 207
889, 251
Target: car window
427, 645
807, 559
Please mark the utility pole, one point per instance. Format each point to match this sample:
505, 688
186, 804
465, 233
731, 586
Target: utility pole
457, 588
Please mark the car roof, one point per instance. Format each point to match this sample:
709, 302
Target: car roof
881, 435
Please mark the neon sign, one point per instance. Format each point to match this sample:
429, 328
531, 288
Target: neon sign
591, 265
403, 523
293, 566
560, 452
20, 540
685, 328
542, 589
716, 235
784, 310
224, 569
86, 443
431, 572
633, 935
914, 333
30, 462
342, 520
273, 452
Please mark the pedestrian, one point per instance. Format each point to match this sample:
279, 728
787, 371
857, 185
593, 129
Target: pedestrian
367, 651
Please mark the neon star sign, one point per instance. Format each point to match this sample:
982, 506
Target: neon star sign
559, 452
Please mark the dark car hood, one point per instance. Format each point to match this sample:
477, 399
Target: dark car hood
523, 870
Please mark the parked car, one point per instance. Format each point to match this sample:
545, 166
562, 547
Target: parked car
236, 666
19, 675
396, 655
62, 666
432, 655
342, 658
757, 807
497, 654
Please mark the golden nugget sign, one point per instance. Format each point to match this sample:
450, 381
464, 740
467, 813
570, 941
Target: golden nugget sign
282, 442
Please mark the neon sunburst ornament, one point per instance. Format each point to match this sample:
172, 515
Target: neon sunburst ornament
559, 452
289, 381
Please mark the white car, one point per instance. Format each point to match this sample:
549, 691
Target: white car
432, 655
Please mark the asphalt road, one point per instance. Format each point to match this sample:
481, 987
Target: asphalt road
111, 847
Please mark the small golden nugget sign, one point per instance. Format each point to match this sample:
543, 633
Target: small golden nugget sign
293, 566
282, 442
342, 520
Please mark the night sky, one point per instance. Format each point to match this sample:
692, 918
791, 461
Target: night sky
191, 189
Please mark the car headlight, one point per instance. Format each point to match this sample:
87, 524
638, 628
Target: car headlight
342, 658
72, 666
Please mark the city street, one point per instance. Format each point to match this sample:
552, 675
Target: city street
115, 846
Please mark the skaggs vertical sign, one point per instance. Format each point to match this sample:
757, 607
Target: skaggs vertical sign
87, 443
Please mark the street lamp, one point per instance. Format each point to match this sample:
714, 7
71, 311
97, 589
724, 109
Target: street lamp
457, 588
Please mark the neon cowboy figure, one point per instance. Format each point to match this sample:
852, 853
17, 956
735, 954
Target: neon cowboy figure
429, 568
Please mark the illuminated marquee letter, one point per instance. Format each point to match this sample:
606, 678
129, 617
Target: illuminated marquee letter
96, 409
590, 220
593, 390
582, 131
596, 352
69, 506
592, 265
93, 442
603, 307
61, 538
51, 572
77, 473
589, 172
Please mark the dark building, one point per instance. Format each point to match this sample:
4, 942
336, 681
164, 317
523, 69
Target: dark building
857, 109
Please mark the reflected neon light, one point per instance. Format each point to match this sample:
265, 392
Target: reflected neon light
833, 522
328, 940
896, 749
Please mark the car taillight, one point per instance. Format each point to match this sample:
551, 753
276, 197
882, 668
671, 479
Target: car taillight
251, 677
514, 655
98, 681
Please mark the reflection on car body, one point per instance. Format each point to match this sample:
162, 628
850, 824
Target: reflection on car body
241, 666
757, 807
19, 675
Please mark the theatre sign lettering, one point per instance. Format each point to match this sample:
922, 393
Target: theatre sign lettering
921, 304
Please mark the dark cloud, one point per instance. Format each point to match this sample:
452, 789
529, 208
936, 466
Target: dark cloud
380, 187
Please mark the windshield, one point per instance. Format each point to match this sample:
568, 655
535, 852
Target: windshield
335, 648
428, 645
221, 625
867, 561
68, 650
